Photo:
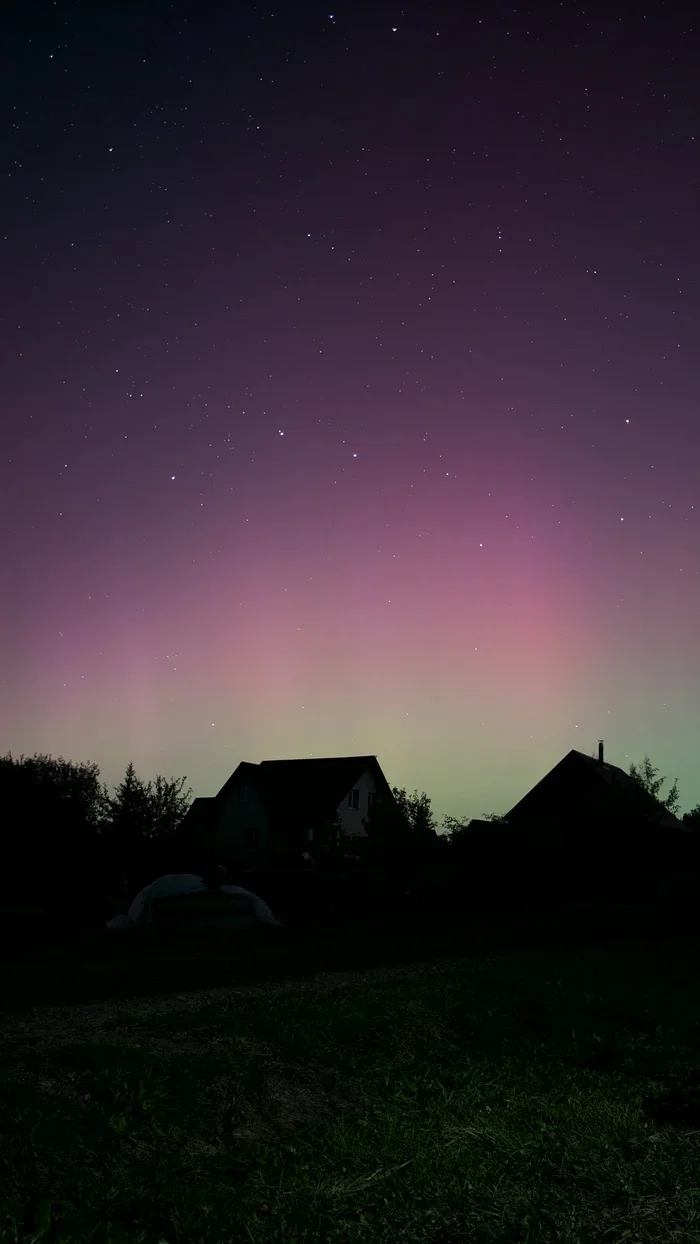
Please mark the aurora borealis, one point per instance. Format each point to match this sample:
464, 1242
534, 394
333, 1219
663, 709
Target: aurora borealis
350, 368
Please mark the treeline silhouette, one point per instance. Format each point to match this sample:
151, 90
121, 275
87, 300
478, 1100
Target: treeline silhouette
69, 842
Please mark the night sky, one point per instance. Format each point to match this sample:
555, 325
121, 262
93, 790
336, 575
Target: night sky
350, 365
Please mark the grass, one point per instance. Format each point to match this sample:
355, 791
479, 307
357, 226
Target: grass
105, 965
59, 967
544, 1095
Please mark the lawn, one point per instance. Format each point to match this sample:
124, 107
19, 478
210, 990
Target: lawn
542, 1095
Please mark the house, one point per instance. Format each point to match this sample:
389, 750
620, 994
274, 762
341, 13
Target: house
589, 817
273, 812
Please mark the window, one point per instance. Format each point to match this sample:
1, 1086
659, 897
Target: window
354, 799
251, 840
242, 794
371, 800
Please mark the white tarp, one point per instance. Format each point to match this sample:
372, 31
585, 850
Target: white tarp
140, 913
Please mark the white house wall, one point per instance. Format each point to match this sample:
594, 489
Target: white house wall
352, 818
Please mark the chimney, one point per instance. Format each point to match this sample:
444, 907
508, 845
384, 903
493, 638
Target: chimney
601, 758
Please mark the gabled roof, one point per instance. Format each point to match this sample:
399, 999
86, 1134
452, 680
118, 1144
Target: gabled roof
614, 775
309, 789
201, 802
199, 811
619, 782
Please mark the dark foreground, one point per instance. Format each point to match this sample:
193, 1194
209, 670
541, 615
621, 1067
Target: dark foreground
547, 1093
58, 965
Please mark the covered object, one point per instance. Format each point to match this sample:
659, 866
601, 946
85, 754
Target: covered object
183, 900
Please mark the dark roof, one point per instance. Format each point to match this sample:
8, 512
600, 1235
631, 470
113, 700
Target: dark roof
615, 778
614, 775
315, 786
199, 810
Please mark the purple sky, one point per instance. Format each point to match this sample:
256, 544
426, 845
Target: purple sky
350, 370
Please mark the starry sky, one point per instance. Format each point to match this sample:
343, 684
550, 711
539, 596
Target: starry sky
349, 375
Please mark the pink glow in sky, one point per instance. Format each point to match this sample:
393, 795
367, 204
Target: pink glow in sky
349, 392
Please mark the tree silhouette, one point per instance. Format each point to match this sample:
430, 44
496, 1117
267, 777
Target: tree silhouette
401, 833
416, 810
143, 819
646, 777
54, 814
147, 811
67, 840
